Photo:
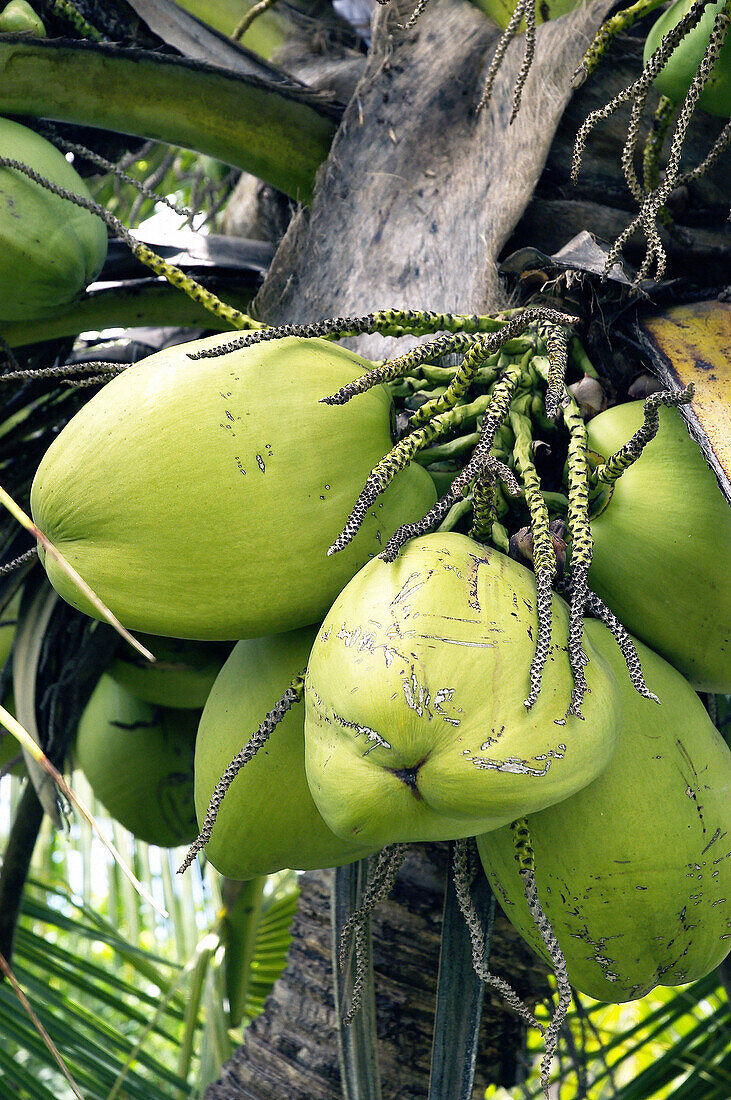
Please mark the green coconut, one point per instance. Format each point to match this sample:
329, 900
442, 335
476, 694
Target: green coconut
198, 498
181, 676
416, 727
49, 249
675, 78
501, 11
139, 763
8, 623
267, 820
18, 17
634, 871
662, 547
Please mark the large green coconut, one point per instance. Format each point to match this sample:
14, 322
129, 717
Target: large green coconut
662, 547
182, 674
634, 871
416, 727
139, 762
198, 498
49, 248
267, 820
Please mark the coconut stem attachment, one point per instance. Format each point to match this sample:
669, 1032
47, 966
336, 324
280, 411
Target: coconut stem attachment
526, 867
354, 932
293, 694
611, 470
462, 872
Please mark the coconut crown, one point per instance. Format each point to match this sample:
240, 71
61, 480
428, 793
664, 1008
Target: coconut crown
49, 249
634, 870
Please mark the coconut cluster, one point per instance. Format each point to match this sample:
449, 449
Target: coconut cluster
415, 725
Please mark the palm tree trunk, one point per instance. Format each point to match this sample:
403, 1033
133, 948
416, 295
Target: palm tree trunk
290, 1051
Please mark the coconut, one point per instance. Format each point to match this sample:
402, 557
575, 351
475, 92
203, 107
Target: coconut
634, 871
198, 498
138, 760
662, 547
49, 248
182, 674
267, 820
675, 78
416, 727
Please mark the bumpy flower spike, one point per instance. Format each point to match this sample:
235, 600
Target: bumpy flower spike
599, 610
481, 458
293, 694
638, 90
608, 472
354, 932
387, 322
582, 545
544, 555
527, 870
557, 347
655, 200
462, 871
481, 348
606, 34
524, 9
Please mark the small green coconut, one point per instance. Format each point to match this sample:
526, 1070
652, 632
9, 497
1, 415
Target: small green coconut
634, 871
139, 763
49, 249
416, 727
267, 820
198, 498
662, 547
18, 17
181, 676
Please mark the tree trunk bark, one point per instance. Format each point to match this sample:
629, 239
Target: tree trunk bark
290, 1051
412, 209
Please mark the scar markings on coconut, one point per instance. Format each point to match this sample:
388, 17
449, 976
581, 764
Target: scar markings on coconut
370, 735
713, 840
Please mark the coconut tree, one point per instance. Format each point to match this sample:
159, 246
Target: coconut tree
368, 181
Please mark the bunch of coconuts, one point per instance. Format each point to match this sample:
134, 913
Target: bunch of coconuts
198, 498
